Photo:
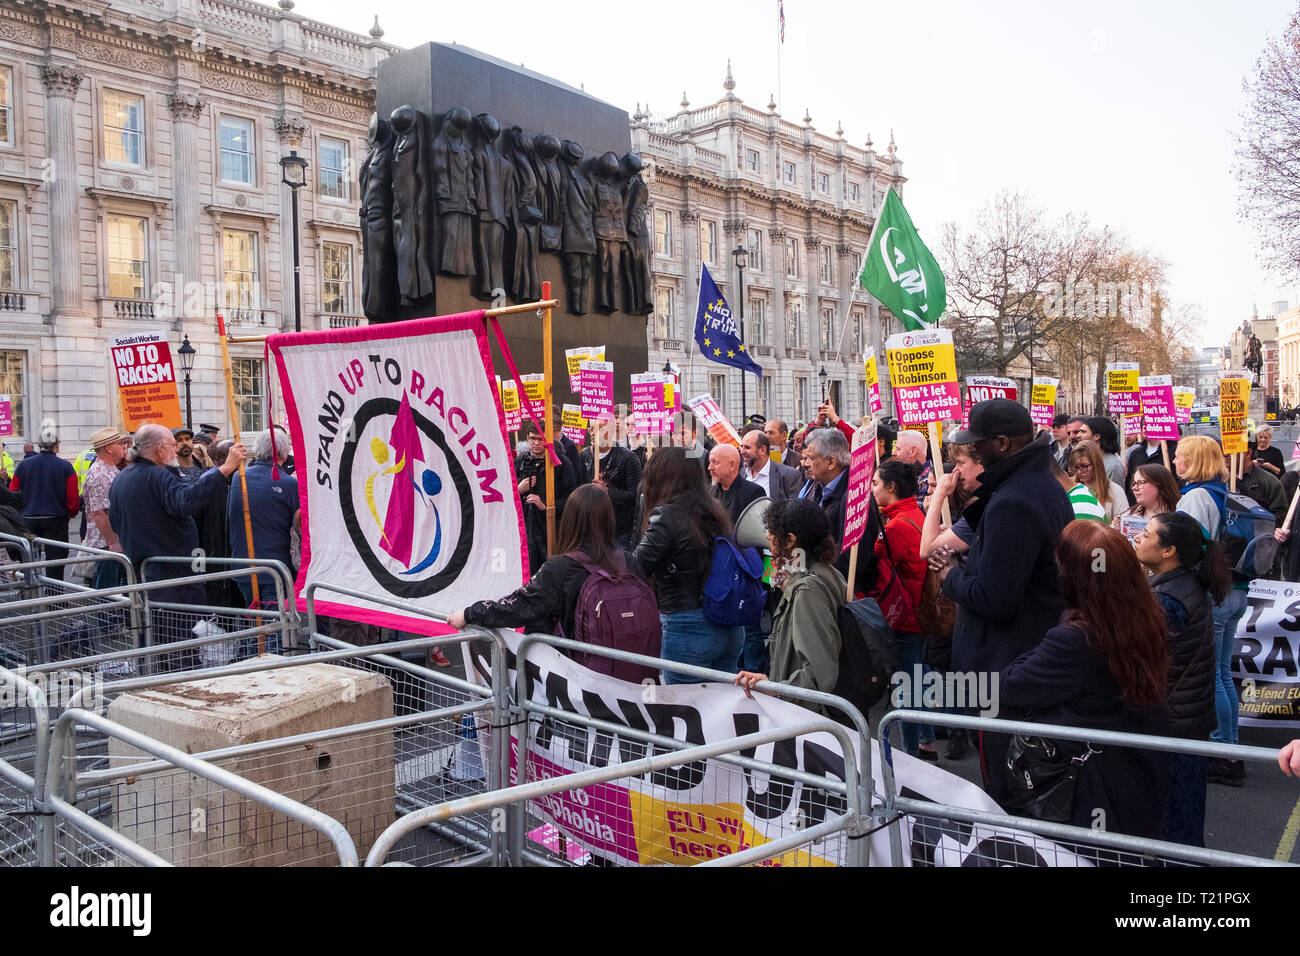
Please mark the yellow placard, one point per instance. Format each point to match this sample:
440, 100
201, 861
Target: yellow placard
1234, 398
873, 377
1043, 395
923, 373
571, 417
1122, 380
1184, 398
509, 397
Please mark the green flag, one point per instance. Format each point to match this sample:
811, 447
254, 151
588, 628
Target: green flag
900, 272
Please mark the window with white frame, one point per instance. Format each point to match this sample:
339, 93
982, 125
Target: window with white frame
828, 267
859, 320
12, 366
754, 243
128, 257
756, 323
824, 183
827, 326
792, 257
855, 192
801, 399
790, 173
248, 379
856, 258
236, 150
794, 327
765, 390
333, 168
708, 241
753, 162
6, 106
718, 389
8, 244
239, 269
336, 278
123, 127
665, 325
663, 232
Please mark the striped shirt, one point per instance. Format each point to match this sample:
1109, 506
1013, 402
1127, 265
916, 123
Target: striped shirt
1085, 505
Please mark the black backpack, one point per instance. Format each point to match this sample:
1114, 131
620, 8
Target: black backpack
868, 654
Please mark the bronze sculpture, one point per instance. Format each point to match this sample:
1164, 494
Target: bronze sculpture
550, 190
453, 169
636, 276
379, 261
410, 230
1254, 357
526, 219
578, 233
611, 232
493, 197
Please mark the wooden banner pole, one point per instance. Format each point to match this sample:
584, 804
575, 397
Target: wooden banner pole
937, 455
545, 306
1164, 450
243, 480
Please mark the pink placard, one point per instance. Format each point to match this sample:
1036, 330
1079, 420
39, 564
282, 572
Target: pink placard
649, 415
857, 500
6, 416
596, 380
1158, 409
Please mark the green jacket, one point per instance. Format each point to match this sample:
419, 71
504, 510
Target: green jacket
805, 640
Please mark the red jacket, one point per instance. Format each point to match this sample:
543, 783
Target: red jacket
903, 523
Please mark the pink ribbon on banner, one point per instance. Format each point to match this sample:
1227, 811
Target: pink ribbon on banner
527, 405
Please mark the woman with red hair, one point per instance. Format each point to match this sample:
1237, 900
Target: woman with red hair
1104, 667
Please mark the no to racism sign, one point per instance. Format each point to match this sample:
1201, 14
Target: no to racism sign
145, 379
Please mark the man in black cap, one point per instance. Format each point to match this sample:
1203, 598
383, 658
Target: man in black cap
1008, 594
190, 469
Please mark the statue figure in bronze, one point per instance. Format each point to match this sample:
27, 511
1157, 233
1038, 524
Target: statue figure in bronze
611, 231
526, 220
578, 234
494, 198
410, 201
379, 262
453, 176
550, 190
636, 196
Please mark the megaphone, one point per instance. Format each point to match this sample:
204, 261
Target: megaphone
750, 530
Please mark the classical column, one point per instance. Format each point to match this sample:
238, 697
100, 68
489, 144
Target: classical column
186, 202
60, 174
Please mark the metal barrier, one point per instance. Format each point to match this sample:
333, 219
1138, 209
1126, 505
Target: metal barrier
24, 724
1111, 849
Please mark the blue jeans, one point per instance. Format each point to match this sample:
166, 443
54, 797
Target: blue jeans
911, 653
690, 639
1226, 618
754, 656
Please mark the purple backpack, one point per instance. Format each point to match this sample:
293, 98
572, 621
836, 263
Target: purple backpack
619, 611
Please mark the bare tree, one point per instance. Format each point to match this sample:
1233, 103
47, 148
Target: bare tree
1268, 152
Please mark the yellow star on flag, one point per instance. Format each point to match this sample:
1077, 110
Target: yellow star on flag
707, 342
742, 348
717, 351
730, 354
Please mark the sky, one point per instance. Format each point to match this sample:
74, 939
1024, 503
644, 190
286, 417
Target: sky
1123, 111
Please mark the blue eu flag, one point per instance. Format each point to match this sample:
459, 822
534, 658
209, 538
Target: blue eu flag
715, 329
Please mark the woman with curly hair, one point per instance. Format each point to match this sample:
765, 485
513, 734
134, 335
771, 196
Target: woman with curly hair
805, 640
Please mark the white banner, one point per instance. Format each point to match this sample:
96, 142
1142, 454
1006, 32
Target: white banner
1264, 656
406, 482
711, 809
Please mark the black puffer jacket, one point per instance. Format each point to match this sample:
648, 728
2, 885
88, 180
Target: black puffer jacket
545, 605
669, 551
1191, 653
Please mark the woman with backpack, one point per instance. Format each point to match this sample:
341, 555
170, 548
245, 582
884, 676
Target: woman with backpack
805, 639
1188, 575
1199, 462
561, 598
681, 524
898, 552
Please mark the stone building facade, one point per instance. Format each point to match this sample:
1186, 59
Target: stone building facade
802, 204
140, 189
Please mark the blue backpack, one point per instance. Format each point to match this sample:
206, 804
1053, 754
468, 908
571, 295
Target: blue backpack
1246, 533
733, 594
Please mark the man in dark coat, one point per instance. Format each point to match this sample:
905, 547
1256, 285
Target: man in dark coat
1008, 594
735, 492
620, 476
530, 469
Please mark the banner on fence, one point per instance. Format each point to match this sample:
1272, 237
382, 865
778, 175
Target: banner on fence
146, 380
923, 373
406, 483
1042, 401
1122, 397
1264, 656
710, 809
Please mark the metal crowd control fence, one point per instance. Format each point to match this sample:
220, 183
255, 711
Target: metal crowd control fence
24, 726
1110, 849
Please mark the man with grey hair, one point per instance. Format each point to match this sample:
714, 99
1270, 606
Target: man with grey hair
827, 452
152, 509
272, 507
910, 448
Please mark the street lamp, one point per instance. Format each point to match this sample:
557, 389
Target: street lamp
821, 377
741, 256
295, 177
187, 353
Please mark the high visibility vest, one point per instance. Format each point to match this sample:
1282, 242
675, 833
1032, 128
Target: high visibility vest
81, 465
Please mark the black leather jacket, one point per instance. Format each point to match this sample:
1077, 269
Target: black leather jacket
669, 552
1191, 653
